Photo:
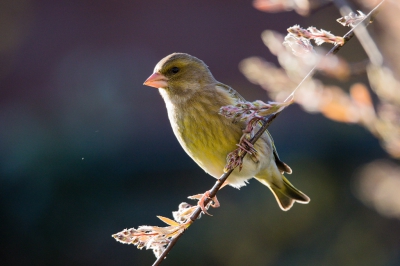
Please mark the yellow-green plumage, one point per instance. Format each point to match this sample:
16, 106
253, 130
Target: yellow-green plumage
193, 99
208, 137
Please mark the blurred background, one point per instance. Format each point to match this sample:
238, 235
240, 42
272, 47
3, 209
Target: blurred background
86, 150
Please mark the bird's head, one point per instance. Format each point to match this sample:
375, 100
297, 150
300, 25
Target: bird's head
180, 74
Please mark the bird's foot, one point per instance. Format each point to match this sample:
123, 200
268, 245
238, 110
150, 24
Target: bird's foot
245, 145
202, 198
235, 158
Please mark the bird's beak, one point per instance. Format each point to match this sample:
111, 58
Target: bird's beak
156, 80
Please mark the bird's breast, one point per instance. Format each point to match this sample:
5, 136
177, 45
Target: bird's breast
204, 134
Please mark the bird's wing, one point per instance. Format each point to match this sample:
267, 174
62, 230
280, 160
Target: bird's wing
232, 92
283, 167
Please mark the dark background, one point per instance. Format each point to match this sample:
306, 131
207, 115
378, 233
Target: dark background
86, 150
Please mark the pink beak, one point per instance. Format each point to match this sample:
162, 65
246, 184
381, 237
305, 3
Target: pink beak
156, 80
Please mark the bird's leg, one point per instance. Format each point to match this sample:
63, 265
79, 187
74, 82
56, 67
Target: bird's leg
213, 203
202, 198
245, 145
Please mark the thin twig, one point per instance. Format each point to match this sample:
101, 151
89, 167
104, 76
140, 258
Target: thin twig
335, 49
362, 34
267, 121
214, 190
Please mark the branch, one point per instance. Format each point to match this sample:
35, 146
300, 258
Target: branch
214, 190
176, 229
362, 35
347, 37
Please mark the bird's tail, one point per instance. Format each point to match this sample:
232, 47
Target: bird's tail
287, 194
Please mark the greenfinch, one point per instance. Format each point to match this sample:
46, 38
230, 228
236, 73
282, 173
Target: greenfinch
193, 98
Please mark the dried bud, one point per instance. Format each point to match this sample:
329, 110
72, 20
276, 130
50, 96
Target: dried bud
154, 237
251, 113
352, 19
298, 31
320, 36
300, 46
184, 212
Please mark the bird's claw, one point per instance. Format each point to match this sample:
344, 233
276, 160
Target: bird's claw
213, 203
245, 145
202, 198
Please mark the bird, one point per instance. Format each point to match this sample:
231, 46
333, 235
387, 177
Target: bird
193, 98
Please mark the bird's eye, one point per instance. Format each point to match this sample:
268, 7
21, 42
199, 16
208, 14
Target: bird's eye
175, 70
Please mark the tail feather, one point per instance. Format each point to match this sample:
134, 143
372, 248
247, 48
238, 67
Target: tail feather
294, 193
287, 194
284, 202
